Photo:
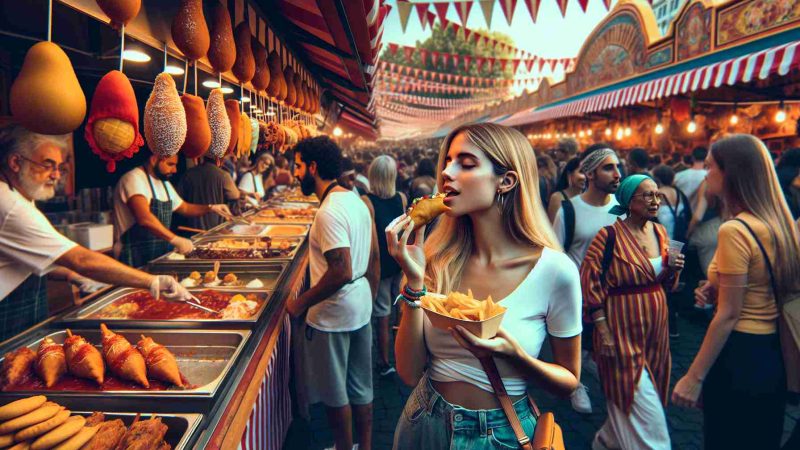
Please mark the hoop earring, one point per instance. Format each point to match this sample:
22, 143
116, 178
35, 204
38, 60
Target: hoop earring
500, 200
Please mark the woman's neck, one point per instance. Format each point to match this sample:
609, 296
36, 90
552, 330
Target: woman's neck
491, 242
635, 222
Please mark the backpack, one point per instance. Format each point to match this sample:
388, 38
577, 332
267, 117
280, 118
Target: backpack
569, 223
683, 219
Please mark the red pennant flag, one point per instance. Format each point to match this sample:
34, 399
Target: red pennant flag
479, 62
508, 7
583, 4
467, 31
607, 3
423, 54
533, 7
504, 64
486, 41
456, 59
491, 63
562, 5
565, 63
467, 62
441, 11
422, 11
449, 77
434, 58
446, 60
542, 62
393, 49
553, 65
463, 9
392, 67
408, 71
476, 37
529, 64
432, 19
516, 63
456, 27
408, 52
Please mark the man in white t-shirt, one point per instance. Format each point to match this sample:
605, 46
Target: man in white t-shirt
30, 248
345, 271
589, 212
689, 180
144, 201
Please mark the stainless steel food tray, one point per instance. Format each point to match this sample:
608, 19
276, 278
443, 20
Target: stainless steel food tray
166, 259
82, 316
228, 230
268, 272
180, 427
204, 358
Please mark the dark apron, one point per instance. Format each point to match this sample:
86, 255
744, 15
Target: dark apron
139, 246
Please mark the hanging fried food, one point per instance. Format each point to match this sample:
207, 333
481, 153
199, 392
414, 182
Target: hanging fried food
144, 435
189, 30
424, 209
277, 85
120, 11
51, 362
109, 435
219, 123
161, 363
222, 51
122, 358
232, 109
164, 118
244, 67
83, 359
17, 365
198, 131
261, 77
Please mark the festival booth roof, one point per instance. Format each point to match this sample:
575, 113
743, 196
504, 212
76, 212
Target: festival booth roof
339, 42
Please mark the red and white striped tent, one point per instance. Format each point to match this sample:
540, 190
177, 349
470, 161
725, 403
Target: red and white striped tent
780, 60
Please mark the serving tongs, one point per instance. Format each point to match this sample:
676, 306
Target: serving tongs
242, 220
201, 307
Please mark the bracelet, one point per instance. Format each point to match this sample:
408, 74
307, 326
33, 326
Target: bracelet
411, 293
408, 301
599, 319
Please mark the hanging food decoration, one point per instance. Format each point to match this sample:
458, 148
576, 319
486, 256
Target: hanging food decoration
306, 98
222, 51
112, 130
219, 123
232, 109
164, 118
120, 11
291, 93
254, 132
198, 131
261, 77
46, 75
277, 85
245, 136
271, 134
189, 30
244, 67
298, 89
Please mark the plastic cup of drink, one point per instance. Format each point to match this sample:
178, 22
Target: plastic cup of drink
674, 250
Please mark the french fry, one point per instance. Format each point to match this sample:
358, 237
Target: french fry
462, 306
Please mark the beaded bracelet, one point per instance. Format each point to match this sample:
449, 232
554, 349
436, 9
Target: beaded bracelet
411, 293
408, 301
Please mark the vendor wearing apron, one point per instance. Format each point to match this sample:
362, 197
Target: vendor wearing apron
30, 248
144, 201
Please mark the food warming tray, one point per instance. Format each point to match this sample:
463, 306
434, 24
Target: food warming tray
278, 228
205, 240
180, 427
268, 272
204, 358
83, 316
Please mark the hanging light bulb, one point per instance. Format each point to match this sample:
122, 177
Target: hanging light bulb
734, 117
692, 126
659, 128
589, 132
620, 134
608, 131
580, 134
780, 116
628, 131
245, 99
337, 132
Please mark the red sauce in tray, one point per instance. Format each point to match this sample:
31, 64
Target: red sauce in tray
68, 382
141, 305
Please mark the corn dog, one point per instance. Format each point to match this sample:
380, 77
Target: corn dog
38, 415
64, 431
20, 407
39, 429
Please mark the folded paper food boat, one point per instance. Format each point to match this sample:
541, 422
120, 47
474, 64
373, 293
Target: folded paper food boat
484, 329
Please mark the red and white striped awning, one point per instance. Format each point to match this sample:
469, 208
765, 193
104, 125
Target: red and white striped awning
760, 65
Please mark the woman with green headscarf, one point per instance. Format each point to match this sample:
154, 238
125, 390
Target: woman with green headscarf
625, 277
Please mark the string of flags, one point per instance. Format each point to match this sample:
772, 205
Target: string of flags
443, 59
464, 80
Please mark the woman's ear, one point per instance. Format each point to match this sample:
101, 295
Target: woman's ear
509, 181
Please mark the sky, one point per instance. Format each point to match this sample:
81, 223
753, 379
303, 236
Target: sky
552, 36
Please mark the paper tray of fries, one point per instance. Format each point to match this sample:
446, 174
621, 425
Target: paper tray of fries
480, 317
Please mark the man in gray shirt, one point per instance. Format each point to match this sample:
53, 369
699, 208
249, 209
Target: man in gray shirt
207, 184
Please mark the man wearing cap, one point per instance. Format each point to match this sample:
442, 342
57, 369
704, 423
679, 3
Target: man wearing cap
584, 215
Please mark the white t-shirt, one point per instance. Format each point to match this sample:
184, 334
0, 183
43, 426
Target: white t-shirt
343, 220
252, 182
548, 301
588, 221
135, 183
28, 242
689, 181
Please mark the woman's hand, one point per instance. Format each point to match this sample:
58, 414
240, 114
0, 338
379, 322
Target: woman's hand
677, 262
687, 391
410, 257
705, 294
501, 345
607, 347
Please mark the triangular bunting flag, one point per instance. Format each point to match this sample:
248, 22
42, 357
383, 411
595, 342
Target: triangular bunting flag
542, 62
515, 66
432, 19
393, 48
476, 37
479, 63
504, 64
488, 7
467, 32
607, 3
441, 11
529, 64
463, 9
456, 28
434, 58
449, 77
404, 9
508, 7
562, 6
467, 62
416, 72
445, 60
422, 11
533, 8
491, 63
553, 65
456, 59
408, 52
423, 54
583, 4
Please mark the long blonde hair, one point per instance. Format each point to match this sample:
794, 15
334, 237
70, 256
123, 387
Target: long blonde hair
382, 175
751, 183
450, 244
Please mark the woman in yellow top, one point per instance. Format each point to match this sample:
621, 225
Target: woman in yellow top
739, 367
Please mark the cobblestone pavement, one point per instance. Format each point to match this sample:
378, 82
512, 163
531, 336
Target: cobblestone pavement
390, 396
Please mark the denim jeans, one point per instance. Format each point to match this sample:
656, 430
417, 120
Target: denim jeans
429, 422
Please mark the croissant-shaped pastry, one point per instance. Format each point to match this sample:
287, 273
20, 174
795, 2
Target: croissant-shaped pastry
161, 363
16, 365
424, 209
51, 362
83, 359
122, 358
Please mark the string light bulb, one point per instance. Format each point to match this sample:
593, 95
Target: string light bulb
620, 134
337, 132
659, 128
780, 116
691, 127
581, 134
734, 117
628, 131
589, 132
608, 131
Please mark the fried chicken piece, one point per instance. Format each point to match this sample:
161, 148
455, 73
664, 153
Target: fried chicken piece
95, 419
16, 365
164, 446
108, 436
144, 435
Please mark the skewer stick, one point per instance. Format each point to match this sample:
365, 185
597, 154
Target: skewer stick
165, 56
122, 47
50, 21
185, 74
195, 78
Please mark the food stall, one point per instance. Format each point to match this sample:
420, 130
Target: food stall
213, 372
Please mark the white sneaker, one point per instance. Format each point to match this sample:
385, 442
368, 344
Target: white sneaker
580, 400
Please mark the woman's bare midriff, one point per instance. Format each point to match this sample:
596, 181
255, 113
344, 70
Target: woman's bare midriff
468, 396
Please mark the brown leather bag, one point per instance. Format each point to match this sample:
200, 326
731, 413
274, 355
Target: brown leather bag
547, 436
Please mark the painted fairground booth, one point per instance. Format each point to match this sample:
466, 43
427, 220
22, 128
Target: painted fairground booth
722, 66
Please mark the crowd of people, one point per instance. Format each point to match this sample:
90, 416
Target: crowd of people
585, 248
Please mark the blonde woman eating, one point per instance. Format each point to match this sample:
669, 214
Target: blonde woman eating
495, 240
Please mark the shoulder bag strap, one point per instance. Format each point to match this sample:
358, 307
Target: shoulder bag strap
608, 252
569, 223
766, 260
505, 402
